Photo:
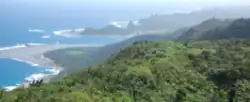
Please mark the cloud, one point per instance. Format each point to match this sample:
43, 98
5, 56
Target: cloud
36, 31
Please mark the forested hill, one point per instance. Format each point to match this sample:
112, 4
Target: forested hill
217, 29
160, 23
172, 22
154, 72
215, 70
74, 59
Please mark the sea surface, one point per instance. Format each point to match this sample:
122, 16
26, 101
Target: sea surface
12, 72
24, 25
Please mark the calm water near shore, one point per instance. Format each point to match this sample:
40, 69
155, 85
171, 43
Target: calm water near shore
18, 22
14, 72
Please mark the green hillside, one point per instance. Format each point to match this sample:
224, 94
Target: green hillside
73, 59
212, 66
215, 29
172, 22
197, 32
154, 72
88, 56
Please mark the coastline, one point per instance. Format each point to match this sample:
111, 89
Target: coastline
34, 56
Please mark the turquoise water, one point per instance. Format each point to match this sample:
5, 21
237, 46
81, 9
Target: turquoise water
14, 72
16, 19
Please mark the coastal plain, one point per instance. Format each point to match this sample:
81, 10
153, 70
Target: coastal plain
33, 54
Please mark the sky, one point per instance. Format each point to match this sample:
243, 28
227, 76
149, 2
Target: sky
144, 6
124, 4
135, 2
74, 10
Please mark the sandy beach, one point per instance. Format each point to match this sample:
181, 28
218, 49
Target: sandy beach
33, 54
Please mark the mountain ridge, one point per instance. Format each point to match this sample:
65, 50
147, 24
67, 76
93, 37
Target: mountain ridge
218, 29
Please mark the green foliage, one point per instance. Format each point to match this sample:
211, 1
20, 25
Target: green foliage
36, 82
154, 72
109, 30
218, 29
73, 59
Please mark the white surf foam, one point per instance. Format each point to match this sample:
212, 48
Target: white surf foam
37, 76
53, 71
116, 36
116, 24
34, 77
10, 88
69, 32
79, 30
28, 62
13, 47
35, 44
122, 24
46, 37
31, 78
36, 30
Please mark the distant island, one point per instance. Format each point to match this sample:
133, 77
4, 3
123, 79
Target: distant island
110, 29
165, 23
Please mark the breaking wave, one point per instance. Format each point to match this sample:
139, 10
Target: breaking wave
122, 24
69, 33
35, 44
37, 76
13, 47
10, 88
28, 62
46, 37
34, 77
36, 30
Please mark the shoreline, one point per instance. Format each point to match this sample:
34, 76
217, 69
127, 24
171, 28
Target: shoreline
51, 71
34, 56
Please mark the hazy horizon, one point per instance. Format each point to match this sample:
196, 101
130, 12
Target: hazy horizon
151, 6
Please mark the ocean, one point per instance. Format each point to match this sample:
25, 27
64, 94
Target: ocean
35, 22
26, 25
13, 73
12, 35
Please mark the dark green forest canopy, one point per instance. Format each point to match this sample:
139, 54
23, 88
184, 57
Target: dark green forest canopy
73, 59
198, 71
215, 29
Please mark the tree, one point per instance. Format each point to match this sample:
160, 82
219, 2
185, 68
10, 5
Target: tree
36, 82
1, 92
